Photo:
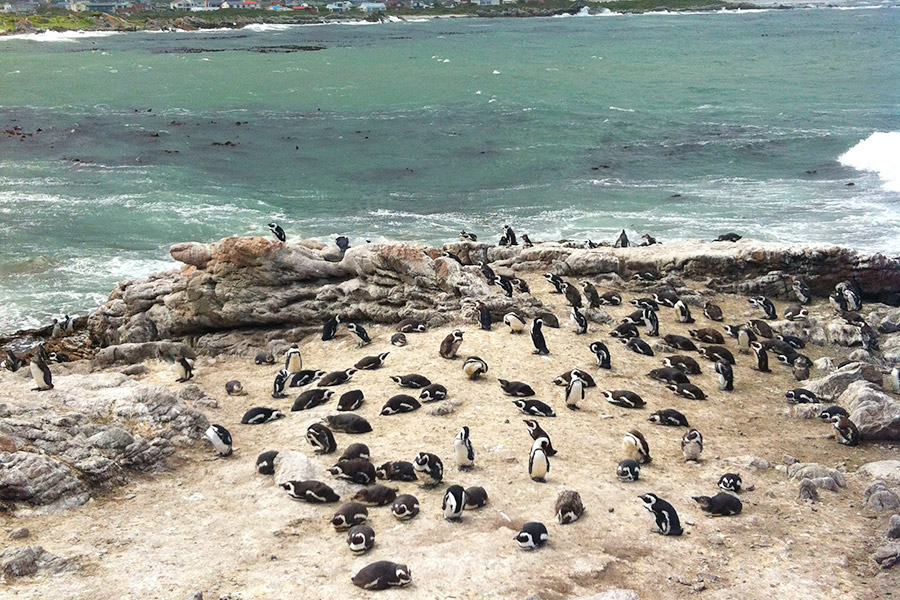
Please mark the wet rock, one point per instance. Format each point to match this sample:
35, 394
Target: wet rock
832, 386
893, 532
875, 413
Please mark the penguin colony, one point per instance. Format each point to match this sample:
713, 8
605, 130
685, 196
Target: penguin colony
426, 469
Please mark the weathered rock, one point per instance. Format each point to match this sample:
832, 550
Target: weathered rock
875, 413
191, 253
885, 470
39, 479
749, 462
808, 411
879, 498
816, 471
137, 353
893, 532
20, 533
832, 386
617, 594
29, 560
115, 438
808, 491
291, 465
888, 555
135, 370
826, 363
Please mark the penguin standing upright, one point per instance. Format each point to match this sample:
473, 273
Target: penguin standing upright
538, 462
484, 316
602, 353
361, 334
581, 323
726, 376
57, 330
220, 439
692, 445
510, 235
574, 392
536, 432
279, 384
556, 281
450, 344
454, 503
622, 242
651, 321
590, 294
664, 514
463, 451
537, 337
293, 362
765, 305
504, 284
278, 232
762, 357
801, 290
40, 372
682, 312
573, 296
330, 327
183, 368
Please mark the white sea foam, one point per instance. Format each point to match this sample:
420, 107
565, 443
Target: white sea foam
878, 153
59, 36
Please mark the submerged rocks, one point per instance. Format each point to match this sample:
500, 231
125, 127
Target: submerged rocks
875, 413
833, 385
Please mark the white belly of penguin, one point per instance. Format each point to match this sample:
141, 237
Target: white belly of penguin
631, 450
462, 455
538, 465
38, 376
294, 364
691, 451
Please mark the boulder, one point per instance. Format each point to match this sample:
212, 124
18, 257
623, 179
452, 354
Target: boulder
875, 413
292, 465
885, 470
29, 560
888, 555
879, 498
893, 532
131, 354
833, 385
808, 491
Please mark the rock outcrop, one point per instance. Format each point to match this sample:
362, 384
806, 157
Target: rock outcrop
875, 413
834, 384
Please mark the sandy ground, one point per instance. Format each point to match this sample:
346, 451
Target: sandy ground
217, 526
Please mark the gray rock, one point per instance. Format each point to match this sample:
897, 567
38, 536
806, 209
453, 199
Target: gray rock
749, 462
860, 355
815, 471
832, 386
879, 498
893, 532
808, 491
808, 411
20, 533
114, 438
886, 470
617, 594
135, 370
888, 555
824, 483
134, 353
875, 413
788, 460
39, 479
826, 363
292, 465
29, 560
194, 596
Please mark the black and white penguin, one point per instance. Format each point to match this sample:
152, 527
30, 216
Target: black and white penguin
401, 403
526, 241
305, 377
850, 291
321, 438
265, 462
336, 378
405, 507
510, 235
183, 368
361, 334
535, 408
537, 432
712, 312
411, 326
476, 496
354, 451
730, 482
574, 392
669, 417
349, 515
382, 575
801, 290
261, 414
451, 256
679, 342
361, 539
556, 281
504, 284
624, 398
376, 494
628, 470
454, 503
538, 461
687, 390
57, 357
707, 335
622, 241
573, 296
488, 273
669, 375
717, 353
370, 363
278, 232
664, 514
40, 373
801, 396
433, 393
463, 450
398, 470
430, 467
580, 321
357, 470
515, 322
234, 388
635, 318
685, 364
311, 399
792, 340
636, 447
838, 302
601, 352
728, 237
645, 303
590, 294
651, 321
537, 338
220, 439
330, 327
846, 431
765, 305
450, 344
310, 491
474, 367
726, 375
762, 357
611, 299
720, 505
532, 536
521, 285
639, 346
833, 411
465, 236
692, 445
760, 328
293, 361
412, 381
745, 337
569, 507
484, 316
515, 388
683, 313
666, 297
645, 276
67, 324
795, 312
12, 363
624, 331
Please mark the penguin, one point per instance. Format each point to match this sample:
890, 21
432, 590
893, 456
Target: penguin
234, 388
611, 299
622, 241
669, 417
762, 357
726, 376
801, 290
430, 467
639, 346
649, 240
574, 393
351, 400
791, 340
801, 396
220, 439
581, 323
401, 403
484, 316
68, 325
717, 353
433, 393
712, 312
183, 368
635, 318
454, 503
535, 408
652, 322
361, 539
361, 334
636, 447
310, 491
349, 515
12, 363
261, 414
666, 297
488, 273
679, 342
569, 507
305, 377
537, 338
645, 277
760, 328
504, 284
293, 362
354, 451
515, 322
745, 337
265, 462
398, 470
687, 390
40, 373
411, 326
795, 312
831, 412
720, 505
683, 313
624, 331
644, 303
765, 305
601, 352
476, 496
685, 364
57, 330
838, 302
520, 285
532, 536
624, 398
278, 232
398, 339
628, 470
330, 327
851, 294
465, 236
549, 319
357, 470
463, 450
526, 241
664, 514
336, 378
311, 399
516, 388
692, 445
412, 381
895, 377
590, 294
370, 363
728, 237
451, 256
707, 336
510, 235
573, 296
348, 423
730, 482
846, 431
321, 438
474, 367
405, 507
450, 344
538, 461
382, 575
556, 281
537, 432
669, 375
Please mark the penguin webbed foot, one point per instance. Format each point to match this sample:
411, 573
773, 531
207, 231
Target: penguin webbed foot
464, 467
573, 407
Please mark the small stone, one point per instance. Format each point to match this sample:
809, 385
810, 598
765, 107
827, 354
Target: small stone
894, 527
135, 370
717, 539
194, 596
808, 491
19, 534
787, 459
699, 587
887, 555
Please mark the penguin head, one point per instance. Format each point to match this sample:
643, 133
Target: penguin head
457, 335
703, 501
649, 500
520, 404
530, 424
403, 574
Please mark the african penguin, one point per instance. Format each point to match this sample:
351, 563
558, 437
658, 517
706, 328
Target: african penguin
398, 339
726, 375
321, 438
293, 362
310, 491
556, 281
411, 380
336, 378
537, 432
484, 316
348, 423
526, 241
329, 329
573, 296
40, 373
590, 294
621, 241
762, 357
692, 445
382, 575
450, 344
636, 447
265, 462
463, 450
398, 470
354, 451
685, 364
765, 305
369, 363
401, 403
847, 433
664, 514
624, 398
801, 396
720, 505
430, 467
349, 515
801, 290
433, 393
488, 273
476, 497
628, 470
261, 414
183, 368
639, 346
361, 538
361, 334
278, 232
357, 470
611, 299
833, 411
537, 338
538, 461
580, 321
510, 235
515, 388
569, 507
474, 367
515, 322
234, 388
411, 326
535, 408
682, 312
504, 284
652, 322
712, 312
533, 535
730, 482
465, 236
220, 439
305, 377
311, 399
602, 353
454, 503
406, 506
670, 417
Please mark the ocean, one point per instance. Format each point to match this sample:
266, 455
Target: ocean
776, 124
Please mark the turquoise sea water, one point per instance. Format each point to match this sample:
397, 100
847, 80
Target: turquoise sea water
683, 126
